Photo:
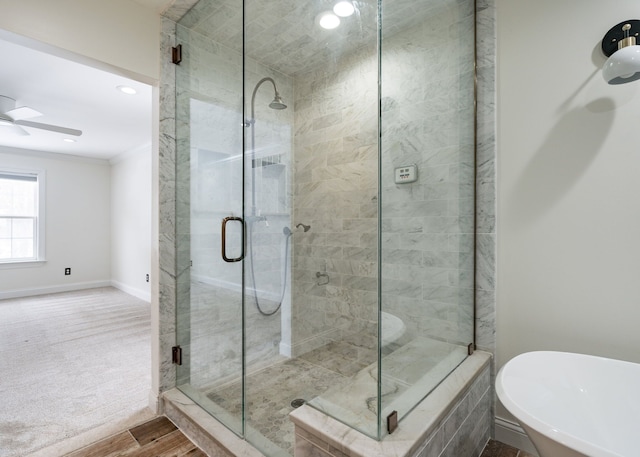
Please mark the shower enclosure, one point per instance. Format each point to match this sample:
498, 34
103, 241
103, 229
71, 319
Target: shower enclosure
325, 205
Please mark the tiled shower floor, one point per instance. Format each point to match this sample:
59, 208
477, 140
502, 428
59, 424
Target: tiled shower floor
338, 378
271, 390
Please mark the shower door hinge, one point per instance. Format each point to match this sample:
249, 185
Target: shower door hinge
176, 54
392, 422
176, 355
471, 348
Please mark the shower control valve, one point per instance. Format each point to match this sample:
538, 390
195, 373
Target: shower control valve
406, 174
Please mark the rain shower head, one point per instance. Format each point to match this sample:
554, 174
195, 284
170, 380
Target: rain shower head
277, 103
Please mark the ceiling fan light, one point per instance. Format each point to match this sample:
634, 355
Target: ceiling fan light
127, 90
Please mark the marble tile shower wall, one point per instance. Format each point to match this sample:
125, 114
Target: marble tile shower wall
335, 192
427, 259
427, 226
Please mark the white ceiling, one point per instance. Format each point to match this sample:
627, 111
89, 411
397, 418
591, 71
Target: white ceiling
77, 96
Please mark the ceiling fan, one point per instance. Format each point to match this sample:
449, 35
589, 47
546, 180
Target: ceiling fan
13, 117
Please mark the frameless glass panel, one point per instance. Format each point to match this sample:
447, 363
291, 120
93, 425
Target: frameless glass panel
210, 222
312, 167
268, 152
427, 195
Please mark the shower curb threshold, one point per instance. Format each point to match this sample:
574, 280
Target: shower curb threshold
211, 436
413, 431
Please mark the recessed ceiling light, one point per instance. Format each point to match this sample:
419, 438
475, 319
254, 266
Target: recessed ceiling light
69, 140
328, 20
344, 9
127, 90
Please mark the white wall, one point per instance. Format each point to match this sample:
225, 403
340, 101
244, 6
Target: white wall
568, 184
77, 218
120, 33
131, 222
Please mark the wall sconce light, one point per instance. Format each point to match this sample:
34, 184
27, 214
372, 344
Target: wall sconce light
619, 45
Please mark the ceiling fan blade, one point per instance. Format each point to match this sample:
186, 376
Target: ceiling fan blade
20, 131
52, 128
16, 129
23, 112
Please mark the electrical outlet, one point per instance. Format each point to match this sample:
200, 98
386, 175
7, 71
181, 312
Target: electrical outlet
147, 277
67, 271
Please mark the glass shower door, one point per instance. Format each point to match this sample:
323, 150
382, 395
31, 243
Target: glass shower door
210, 218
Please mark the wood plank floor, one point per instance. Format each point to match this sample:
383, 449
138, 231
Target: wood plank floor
497, 449
160, 438
156, 438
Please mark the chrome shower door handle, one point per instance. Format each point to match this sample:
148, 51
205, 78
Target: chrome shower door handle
224, 240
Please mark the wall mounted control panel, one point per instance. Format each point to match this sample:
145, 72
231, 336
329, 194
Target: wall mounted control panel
406, 174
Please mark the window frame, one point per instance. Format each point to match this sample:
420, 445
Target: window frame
39, 249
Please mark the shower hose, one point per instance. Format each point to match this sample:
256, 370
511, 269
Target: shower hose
253, 273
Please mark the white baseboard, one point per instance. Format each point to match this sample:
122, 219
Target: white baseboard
17, 293
510, 433
139, 293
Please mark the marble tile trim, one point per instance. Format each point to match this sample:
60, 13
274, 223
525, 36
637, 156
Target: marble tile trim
486, 176
417, 428
485, 322
167, 212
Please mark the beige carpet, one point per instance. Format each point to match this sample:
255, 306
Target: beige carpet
70, 363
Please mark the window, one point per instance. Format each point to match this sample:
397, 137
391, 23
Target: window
21, 221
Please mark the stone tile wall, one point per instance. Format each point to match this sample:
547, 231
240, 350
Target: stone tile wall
427, 226
486, 177
335, 192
